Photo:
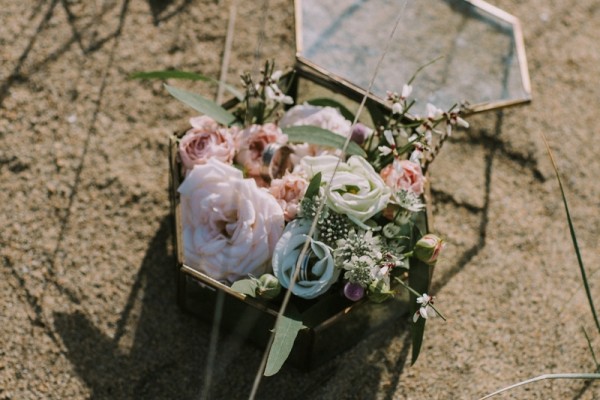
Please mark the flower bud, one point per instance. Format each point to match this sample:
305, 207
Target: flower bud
428, 248
353, 291
379, 291
268, 287
360, 133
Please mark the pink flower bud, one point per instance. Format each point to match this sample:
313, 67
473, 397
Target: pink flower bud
428, 248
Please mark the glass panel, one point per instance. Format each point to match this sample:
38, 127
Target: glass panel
479, 61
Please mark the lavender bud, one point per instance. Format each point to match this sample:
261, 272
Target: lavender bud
353, 291
360, 133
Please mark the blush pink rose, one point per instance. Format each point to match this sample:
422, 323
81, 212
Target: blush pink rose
230, 226
206, 139
288, 191
252, 141
324, 117
404, 175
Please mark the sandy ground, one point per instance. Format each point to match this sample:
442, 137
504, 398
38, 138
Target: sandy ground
87, 294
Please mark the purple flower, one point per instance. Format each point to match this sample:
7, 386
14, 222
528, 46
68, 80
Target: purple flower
353, 291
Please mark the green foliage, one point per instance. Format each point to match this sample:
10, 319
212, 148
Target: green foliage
184, 75
286, 329
573, 237
321, 137
202, 105
313, 186
246, 286
418, 279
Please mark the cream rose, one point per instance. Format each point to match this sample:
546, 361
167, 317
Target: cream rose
317, 269
206, 139
356, 190
288, 191
230, 226
405, 175
251, 143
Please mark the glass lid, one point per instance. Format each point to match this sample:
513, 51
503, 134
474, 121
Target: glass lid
478, 48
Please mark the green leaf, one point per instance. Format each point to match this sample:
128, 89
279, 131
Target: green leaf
418, 279
313, 186
286, 330
245, 286
573, 235
184, 75
321, 137
324, 102
170, 74
202, 105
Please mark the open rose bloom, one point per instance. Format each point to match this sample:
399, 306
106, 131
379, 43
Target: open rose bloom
230, 226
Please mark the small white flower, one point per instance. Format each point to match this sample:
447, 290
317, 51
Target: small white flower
424, 300
449, 129
426, 310
406, 91
275, 94
389, 137
462, 122
397, 108
416, 155
384, 150
433, 112
275, 76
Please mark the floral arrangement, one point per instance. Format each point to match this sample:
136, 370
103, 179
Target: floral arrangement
305, 199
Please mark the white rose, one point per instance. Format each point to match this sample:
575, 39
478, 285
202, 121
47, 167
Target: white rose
230, 226
317, 269
356, 190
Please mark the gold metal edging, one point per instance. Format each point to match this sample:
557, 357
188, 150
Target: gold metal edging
519, 42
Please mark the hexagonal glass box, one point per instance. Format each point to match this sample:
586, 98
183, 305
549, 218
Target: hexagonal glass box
480, 59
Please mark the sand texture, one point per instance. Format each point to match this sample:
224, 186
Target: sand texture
87, 292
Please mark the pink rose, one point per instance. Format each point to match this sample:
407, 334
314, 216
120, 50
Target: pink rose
405, 175
324, 117
205, 140
288, 191
230, 226
252, 141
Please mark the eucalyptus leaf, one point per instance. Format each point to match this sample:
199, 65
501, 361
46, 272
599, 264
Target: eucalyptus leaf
286, 331
325, 102
184, 75
245, 286
170, 74
313, 186
202, 105
321, 137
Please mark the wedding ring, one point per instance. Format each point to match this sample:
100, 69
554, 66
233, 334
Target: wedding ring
276, 161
